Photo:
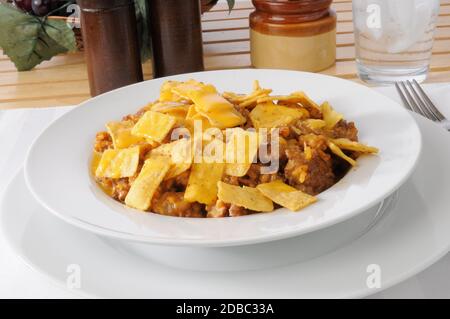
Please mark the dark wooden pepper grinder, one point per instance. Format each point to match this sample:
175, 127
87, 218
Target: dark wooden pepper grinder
176, 33
111, 44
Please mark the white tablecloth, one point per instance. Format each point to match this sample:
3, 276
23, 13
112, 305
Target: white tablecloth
18, 128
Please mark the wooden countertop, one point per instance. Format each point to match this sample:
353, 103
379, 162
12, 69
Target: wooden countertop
63, 80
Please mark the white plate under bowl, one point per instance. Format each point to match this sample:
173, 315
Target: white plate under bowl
57, 167
254, 257
410, 238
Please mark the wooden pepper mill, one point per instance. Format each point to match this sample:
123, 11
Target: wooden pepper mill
176, 33
111, 44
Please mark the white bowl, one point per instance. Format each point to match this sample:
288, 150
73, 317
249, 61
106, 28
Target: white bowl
57, 167
255, 257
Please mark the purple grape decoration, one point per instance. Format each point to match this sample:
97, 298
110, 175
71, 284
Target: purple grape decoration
24, 5
42, 7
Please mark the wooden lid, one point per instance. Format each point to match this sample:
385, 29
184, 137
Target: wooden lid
292, 26
308, 10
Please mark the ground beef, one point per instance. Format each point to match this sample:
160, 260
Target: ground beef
119, 188
173, 204
344, 129
176, 184
313, 175
254, 177
135, 117
221, 209
282, 151
217, 210
284, 131
313, 111
316, 142
236, 211
116, 188
341, 166
103, 142
245, 113
267, 178
232, 180
301, 128
144, 152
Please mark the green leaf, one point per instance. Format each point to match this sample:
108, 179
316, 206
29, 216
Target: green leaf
61, 33
143, 29
231, 4
28, 40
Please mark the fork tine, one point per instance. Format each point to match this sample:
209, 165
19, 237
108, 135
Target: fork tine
429, 103
402, 96
421, 104
411, 100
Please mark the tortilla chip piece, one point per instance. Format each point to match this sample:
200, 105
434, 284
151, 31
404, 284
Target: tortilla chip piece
166, 93
96, 157
224, 119
144, 187
305, 100
285, 195
171, 149
292, 98
177, 169
213, 150
241, 150
121, 136
204, 96
172, 108
337, 151
185, 89
180, 154
192, 116
272, 98
307, 151
239, 98
315, 124
346, 144
256, 85
247, 197
254, 97
210, 104
202, 184
295, 97
270, 115
208, 99
154, 126
190, 123
118, 163
330, 116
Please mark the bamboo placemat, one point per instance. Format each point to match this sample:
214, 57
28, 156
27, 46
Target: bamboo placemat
63, 80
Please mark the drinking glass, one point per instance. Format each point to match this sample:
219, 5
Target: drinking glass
394, 39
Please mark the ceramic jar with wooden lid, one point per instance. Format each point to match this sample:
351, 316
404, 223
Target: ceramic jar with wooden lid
293, 34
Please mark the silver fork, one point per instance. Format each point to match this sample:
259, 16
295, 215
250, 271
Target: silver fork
415, 99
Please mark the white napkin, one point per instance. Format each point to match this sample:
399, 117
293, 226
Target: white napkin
439, 94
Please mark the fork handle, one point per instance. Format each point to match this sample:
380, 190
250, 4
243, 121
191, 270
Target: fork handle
445, 124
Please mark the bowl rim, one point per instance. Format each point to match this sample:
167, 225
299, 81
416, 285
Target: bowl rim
116, 234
